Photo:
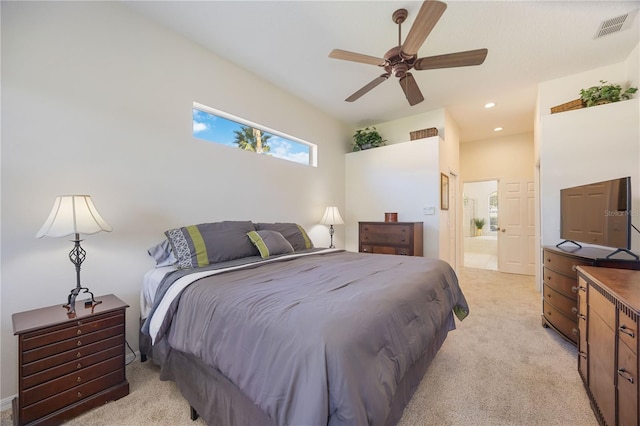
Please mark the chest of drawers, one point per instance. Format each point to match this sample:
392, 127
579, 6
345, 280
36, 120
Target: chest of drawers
608, 360
560, 285
401, 238
67, 366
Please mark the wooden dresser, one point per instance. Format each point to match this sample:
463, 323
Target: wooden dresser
402, 238
67, 366
609, 321
560, 284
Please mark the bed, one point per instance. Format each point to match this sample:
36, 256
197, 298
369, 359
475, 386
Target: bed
283, 333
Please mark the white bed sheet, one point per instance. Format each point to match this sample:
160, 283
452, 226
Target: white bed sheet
150, 283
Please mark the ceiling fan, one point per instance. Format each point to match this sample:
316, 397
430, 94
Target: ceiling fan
399, 60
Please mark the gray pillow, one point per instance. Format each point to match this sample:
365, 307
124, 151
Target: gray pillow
163, 254
294, 233
270, 243
200, 245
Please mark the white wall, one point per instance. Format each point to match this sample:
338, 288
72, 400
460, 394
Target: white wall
97, 100
402, 178
590, 144
500, 157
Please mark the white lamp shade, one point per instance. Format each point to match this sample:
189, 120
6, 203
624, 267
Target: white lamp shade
73, 214
331, 217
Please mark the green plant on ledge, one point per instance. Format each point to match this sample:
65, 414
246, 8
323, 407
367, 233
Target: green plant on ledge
605, 93
367, 138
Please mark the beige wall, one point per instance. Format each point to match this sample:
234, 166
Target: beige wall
97, 100
501, 157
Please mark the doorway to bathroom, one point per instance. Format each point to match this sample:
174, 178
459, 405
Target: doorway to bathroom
480, 224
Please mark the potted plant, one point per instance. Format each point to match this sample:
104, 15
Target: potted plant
367, 138
479, 223
605, 93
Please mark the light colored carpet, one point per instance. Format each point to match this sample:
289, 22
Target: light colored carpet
500, 367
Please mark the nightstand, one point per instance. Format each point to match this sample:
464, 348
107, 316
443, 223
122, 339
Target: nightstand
67, 366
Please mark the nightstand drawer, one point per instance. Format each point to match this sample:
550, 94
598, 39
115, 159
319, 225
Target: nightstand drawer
398, 238
66, 345
78, 329
63, 399
84, 375
401, 237
75, 355
75, 365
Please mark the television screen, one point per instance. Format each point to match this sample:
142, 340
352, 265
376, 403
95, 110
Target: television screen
598, 213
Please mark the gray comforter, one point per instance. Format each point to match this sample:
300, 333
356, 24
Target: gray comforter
321, 339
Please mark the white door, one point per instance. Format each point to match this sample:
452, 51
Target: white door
516, 235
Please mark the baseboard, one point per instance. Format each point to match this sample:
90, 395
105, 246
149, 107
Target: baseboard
5, 403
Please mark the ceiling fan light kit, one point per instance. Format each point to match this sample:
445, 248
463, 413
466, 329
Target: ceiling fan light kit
401, 59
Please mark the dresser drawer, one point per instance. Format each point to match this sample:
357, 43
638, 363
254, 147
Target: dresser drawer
602, 306
75, 365
563, 264
68, 397
67, 345
561, 283
628, 331
627, 386
71, 380
566, 325
396, 235
77, 329
562, 303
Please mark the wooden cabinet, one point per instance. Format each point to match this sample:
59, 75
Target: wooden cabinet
69, 364
608, 355
560, 284
401, 238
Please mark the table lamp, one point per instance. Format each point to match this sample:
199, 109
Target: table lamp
74, 215
331, 217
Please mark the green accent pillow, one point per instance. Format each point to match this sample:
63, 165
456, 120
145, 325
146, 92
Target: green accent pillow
270, 243
294, 233
196, 246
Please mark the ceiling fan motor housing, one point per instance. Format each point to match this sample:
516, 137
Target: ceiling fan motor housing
397, 63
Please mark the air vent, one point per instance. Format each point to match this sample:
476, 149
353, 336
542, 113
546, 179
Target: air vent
615, 25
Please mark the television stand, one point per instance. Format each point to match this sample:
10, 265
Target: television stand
635, 256
560, 283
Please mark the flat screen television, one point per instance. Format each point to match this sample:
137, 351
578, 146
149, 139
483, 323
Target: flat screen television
598, 213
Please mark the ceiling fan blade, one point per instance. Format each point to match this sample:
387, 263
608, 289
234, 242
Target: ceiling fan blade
411, 89
452, 60
367, 87
356, 57
427, 18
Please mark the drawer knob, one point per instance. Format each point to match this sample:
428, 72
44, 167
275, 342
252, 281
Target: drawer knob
548, 278
78, 355
79, 332
79, 394
583, 317
624, 329
79, 343
575, 331
79, 379
79, 366
573, 268
583, 354
625, 375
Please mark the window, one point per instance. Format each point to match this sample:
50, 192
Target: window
216, 126
493, 211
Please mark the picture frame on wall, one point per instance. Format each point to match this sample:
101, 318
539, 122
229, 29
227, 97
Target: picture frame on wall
444, 192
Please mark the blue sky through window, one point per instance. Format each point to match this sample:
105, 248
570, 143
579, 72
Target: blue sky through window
213, 128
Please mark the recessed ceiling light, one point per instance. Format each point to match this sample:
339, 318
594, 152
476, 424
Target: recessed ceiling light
490, 105
497, 129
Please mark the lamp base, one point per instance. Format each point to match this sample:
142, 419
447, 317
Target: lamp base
71, 299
